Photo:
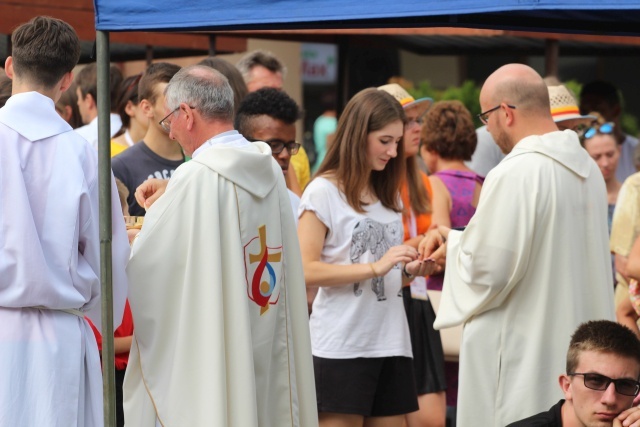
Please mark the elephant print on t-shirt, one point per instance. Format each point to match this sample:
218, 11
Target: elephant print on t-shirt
370, 235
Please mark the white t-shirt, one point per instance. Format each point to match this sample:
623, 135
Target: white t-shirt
365, 319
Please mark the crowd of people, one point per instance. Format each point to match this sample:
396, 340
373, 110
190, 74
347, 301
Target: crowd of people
260, 293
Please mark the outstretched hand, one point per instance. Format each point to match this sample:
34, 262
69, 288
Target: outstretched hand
150, 190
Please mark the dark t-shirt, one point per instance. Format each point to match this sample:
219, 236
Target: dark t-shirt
135, 165
551, 418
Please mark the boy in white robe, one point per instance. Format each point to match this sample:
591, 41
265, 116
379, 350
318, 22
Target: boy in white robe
49, 242
532, 264
217, 289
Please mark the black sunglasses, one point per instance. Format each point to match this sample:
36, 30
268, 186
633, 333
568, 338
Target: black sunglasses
600, 382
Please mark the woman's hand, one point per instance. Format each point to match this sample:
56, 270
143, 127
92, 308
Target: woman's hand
425, 267
400, 254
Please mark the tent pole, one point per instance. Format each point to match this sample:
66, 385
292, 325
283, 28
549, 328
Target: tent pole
552, 52
104, 182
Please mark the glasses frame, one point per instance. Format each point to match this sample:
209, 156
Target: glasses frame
608, 380
292, 146
484, 116
167, 126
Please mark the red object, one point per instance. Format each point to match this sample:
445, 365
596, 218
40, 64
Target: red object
124, 330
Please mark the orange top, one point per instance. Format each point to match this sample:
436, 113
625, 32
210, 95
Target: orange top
423, 221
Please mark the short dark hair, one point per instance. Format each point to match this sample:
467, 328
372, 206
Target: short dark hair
602, 89
448, 131
160, 72
5, 89
268, 102
69, 98
602, 336
87, 81
232, 74
44, 50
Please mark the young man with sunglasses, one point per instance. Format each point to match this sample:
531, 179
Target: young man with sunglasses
601, 380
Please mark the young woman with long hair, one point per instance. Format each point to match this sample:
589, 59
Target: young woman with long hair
351, 239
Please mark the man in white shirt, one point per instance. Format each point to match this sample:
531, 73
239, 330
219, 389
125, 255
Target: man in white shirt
217, 288
87, 92
49, 242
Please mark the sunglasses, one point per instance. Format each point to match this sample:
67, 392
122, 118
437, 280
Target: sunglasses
604, 129
601, 382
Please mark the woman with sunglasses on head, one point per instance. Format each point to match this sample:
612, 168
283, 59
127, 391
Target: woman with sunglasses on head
351, 236
416, 193
600, 142
448, 140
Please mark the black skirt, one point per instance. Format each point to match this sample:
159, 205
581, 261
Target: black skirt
428, 358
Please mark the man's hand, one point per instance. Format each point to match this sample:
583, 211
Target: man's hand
628, 418
150, 190
433, 245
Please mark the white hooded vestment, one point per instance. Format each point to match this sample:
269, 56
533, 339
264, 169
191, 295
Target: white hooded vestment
50, 269
218, 299
532, 264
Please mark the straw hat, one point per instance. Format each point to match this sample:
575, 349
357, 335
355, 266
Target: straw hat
564, 108
406, 100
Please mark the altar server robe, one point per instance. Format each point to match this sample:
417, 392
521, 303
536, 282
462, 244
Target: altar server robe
50, 261
218, 299
532, 264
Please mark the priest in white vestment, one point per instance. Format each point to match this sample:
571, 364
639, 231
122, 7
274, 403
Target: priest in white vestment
49, 242
217, 289
532, 264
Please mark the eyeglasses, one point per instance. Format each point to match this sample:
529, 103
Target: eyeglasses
412, 122
603, 129
166, 123
277, 145
601, 382
484, 117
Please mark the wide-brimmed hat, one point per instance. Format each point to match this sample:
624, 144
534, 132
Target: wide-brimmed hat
406, 100
564, 107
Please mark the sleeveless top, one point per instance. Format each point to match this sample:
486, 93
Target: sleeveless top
461, 186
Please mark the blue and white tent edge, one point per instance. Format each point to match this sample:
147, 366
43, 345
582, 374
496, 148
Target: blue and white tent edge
585, 16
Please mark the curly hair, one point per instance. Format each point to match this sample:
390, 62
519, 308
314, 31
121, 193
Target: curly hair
448, 131
266, 102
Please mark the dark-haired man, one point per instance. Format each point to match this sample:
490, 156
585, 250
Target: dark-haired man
270, 115
49, 242
87, 92
601, 380
157, 155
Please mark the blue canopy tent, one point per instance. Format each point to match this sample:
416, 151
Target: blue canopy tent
613, 17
